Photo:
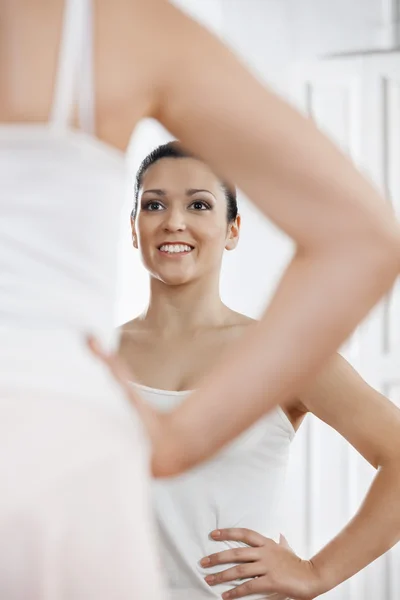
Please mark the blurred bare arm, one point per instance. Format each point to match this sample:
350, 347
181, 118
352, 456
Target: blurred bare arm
348, 244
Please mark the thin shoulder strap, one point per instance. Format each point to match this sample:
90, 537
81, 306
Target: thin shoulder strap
74, 81
86, 86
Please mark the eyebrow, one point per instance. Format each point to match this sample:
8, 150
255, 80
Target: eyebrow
157, 192
189, 192
193, 191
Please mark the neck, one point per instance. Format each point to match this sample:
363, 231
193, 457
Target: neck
184, 308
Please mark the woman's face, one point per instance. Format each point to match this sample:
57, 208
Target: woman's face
181, 226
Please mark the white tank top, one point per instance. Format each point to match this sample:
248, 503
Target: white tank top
242, 486
61, 193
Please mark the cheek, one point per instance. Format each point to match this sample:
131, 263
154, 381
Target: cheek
213, 242
212, 232
145, 234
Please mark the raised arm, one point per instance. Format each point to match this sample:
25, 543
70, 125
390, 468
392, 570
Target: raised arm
348, 245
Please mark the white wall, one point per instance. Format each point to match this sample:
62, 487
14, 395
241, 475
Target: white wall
270, 32
322, 26
260, 32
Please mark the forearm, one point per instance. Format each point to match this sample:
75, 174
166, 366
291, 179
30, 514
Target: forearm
307, 321
371, 533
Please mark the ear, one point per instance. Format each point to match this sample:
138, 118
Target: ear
134, 235
233, 234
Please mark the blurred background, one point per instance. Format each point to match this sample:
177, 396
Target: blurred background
339, 62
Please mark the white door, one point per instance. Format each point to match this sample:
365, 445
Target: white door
356, 101
379, 352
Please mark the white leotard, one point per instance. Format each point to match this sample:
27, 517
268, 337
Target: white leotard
60, 203
241, 487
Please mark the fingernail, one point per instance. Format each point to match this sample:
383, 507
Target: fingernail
204, 562
216, 533
209, 578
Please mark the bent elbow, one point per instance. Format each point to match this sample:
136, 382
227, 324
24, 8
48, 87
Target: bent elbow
372, 241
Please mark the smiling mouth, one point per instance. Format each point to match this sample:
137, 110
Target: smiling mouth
175, 249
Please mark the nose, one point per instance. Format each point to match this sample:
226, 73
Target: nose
174, 220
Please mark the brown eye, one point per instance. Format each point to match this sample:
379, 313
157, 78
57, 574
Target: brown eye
153, 205
200, 205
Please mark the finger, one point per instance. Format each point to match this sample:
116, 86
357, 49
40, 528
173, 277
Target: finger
248, 536
254, 586
244, 571
234, 555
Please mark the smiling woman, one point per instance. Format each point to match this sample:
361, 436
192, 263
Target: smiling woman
220, 524
183, 220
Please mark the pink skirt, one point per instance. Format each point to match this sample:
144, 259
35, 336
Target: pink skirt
75, 508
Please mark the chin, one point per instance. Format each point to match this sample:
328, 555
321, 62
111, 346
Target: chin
175, 279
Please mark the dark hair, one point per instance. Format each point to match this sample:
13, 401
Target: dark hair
175, 150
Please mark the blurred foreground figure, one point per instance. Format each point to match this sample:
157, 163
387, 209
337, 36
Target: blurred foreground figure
74, 509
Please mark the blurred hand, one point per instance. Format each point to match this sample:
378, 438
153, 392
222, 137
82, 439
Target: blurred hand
157, 424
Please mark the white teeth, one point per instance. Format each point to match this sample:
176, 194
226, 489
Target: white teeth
172, 248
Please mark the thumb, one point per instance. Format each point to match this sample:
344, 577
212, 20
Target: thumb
283, 542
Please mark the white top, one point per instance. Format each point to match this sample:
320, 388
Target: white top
61, 195
240, 487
